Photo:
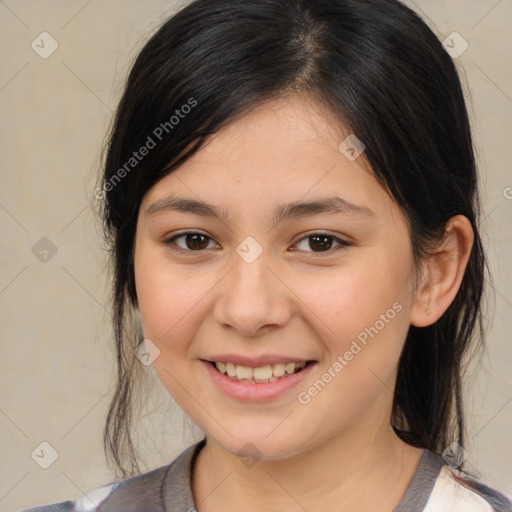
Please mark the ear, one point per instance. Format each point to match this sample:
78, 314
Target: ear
443, 272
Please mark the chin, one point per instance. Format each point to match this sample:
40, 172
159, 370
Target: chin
260, 447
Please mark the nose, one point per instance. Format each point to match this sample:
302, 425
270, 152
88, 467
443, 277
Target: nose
254, 298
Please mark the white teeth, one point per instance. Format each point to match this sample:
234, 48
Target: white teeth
231, 369
278, 369
221, 367
261, 374
290, 368
243, 372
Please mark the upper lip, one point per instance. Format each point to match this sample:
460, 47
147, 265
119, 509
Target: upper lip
255, 362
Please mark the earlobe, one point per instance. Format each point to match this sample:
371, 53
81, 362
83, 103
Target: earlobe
443, 272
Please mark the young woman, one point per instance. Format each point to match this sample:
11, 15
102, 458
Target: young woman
291, 197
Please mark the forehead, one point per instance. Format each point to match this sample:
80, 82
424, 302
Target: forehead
285, 128
285, 150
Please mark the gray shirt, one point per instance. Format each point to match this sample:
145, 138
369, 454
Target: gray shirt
168, 489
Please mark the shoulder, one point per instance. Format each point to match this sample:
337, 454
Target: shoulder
150, 491
87, 503
455, 491
133, 492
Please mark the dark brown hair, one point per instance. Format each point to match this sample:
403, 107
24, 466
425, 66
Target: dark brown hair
382, 72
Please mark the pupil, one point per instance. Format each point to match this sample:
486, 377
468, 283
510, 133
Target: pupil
324, 239
195, 238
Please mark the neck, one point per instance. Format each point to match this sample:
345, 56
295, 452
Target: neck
350, 471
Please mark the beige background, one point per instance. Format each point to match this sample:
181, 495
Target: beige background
56, 369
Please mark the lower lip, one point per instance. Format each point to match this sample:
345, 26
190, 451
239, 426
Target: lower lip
253, 392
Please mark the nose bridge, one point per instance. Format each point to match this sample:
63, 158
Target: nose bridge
250, 265
249, 272
252, 296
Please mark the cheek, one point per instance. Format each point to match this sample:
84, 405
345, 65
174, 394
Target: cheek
168, 296
365, 307
169, 302
353, 297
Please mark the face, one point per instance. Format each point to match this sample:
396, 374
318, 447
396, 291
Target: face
260, 285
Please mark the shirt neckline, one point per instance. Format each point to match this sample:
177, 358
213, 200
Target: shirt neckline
176, 488
420, 488
177, 496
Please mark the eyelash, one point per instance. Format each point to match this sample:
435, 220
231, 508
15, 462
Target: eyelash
342, 243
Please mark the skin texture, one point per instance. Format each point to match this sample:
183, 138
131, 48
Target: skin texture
296, 300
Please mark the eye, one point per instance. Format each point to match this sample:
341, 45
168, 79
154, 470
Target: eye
322, 242
196, 241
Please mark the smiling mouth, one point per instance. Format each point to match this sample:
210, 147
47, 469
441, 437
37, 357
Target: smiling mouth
261, 374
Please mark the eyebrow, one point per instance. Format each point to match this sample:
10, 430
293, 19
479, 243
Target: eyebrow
332, 205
